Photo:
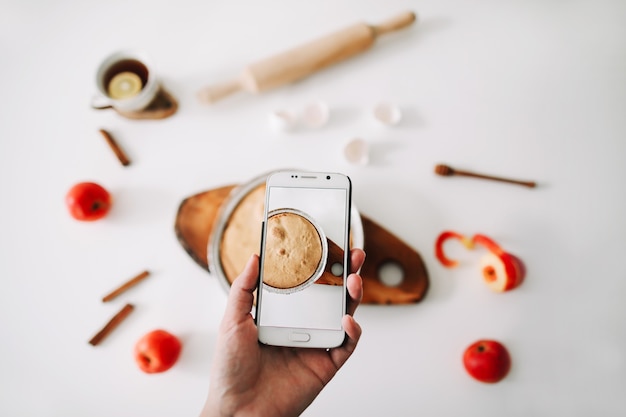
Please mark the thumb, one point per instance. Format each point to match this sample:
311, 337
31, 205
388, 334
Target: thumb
240, 297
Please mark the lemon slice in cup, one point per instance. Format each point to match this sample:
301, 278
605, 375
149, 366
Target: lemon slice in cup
124, 85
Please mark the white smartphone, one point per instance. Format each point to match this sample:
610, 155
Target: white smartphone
305, 259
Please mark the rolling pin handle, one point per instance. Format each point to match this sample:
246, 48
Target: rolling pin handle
399, 22
210, 95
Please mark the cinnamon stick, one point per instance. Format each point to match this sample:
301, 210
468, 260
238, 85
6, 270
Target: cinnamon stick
121, 156
112, 324
128, 284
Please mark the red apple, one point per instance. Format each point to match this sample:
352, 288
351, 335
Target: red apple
88, 201
487, 361
503, 272
157, 351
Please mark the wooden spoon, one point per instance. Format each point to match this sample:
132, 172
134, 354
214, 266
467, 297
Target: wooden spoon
448, 171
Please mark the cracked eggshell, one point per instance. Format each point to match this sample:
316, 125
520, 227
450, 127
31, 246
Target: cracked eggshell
315, 114
281, 120
356, 151
387, 114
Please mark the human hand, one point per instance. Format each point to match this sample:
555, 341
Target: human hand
249, 378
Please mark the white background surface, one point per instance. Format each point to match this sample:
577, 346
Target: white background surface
528, 89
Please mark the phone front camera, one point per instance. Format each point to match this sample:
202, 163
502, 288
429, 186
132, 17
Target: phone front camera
327, 177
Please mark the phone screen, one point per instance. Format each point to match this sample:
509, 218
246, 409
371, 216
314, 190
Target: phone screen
304, 258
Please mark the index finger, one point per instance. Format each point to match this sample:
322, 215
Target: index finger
357, 257
355, 283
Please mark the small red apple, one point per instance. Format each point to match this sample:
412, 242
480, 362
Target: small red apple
157, 351
501, 270
487, 361
502, 273
88, 201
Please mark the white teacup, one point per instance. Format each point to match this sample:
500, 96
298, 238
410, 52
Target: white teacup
120, 62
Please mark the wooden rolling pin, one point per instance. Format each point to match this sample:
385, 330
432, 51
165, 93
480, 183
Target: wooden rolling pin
304, 60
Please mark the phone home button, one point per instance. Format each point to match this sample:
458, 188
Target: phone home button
299, 337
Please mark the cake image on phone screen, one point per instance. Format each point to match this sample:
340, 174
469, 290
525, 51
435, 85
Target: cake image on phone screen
296, 251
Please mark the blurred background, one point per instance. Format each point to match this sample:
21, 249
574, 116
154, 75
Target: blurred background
524, 89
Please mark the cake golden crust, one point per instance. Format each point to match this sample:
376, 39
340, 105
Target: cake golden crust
242, 234
293, 251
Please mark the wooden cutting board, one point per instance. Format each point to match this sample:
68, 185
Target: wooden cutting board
197, 215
